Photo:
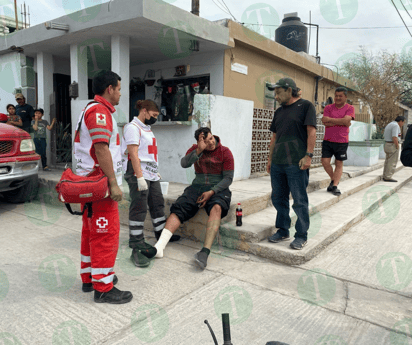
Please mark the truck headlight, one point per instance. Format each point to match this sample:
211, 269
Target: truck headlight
26, 145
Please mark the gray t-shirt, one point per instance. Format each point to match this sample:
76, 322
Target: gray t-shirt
41, 131
391, 130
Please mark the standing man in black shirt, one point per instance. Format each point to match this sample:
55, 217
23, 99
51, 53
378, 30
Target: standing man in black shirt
25, 111
291, 152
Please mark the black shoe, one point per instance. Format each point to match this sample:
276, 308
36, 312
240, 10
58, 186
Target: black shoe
201, 259
139, 259
329, 189
277, 237
88, 287
114, 296
336, 191
390, 180
174, 238
145, 248
298, 243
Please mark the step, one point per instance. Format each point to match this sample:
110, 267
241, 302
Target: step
329, 224
260, 225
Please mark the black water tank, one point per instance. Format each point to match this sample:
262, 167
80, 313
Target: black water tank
292, 33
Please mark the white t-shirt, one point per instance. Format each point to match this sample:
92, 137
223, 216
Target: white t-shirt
137, 133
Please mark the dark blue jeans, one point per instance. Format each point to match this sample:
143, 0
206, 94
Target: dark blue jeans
288, 179
40, 144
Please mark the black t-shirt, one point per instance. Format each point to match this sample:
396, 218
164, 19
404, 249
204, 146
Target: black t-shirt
26, 112
290, 125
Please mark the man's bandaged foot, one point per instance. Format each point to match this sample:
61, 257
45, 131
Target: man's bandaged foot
163, 241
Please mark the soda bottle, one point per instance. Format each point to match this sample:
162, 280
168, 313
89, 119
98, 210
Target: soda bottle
238, 215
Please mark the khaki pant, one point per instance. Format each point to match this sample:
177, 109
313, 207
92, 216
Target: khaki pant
391, 160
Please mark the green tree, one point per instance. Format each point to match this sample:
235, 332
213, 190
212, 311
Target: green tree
382, 80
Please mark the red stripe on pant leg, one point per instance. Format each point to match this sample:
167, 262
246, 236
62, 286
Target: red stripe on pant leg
85, 248
104, 239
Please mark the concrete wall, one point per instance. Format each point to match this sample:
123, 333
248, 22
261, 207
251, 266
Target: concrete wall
232, 121
10, 78
200, 64
360, 131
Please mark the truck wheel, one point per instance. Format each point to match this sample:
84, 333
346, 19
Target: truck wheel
23, 194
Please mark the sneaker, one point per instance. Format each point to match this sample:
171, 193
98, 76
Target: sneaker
335, 191
201, 259
390, 180
145, 248
139, 259
174, 238
46, 169
114, 296
298, 243
88, 287
329, 189
277, 237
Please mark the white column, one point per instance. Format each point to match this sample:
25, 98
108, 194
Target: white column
78, 69
45, 69
121, 66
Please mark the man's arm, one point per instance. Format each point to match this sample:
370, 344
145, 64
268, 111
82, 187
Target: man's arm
311, 138
345, 121
228, 172
271, 148
104, 158
395, 140
190, 158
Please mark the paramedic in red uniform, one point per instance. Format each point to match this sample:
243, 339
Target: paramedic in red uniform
99, 143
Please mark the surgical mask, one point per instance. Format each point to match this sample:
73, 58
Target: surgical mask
150, 121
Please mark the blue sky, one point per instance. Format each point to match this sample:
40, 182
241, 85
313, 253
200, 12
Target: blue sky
333, 16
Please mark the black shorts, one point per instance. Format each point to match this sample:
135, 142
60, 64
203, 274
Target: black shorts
338, 150
186, 207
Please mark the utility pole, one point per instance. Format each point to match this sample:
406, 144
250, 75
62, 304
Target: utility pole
15, 14
195, 7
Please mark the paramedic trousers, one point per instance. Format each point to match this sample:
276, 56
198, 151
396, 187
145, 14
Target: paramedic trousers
100, 242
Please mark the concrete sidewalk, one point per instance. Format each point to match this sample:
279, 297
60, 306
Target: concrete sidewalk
357, 291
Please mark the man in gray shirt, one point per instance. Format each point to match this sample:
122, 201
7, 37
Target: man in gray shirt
392, 131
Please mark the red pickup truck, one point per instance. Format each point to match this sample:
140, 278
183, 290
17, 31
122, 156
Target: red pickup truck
19, 164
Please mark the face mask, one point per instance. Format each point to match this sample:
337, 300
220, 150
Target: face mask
150, 121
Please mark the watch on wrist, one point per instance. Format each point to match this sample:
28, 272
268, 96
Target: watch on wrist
309, 154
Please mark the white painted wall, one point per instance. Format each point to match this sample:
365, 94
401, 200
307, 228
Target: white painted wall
200, 64
172, 144
232, 121
360, 131
10, 78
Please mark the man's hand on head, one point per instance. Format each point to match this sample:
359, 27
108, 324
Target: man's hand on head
201, 144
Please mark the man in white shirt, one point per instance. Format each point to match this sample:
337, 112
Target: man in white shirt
392, 131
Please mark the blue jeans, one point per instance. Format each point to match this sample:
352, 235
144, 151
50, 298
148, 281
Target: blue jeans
40, 144
290, 179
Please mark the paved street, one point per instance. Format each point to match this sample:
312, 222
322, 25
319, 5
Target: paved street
357, 291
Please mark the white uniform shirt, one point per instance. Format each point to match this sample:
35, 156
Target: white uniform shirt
137, 133
98, 125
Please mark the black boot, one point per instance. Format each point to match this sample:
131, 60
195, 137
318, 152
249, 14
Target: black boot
88, 287
114, 296
174, 238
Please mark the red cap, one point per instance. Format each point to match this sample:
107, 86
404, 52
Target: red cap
3, 117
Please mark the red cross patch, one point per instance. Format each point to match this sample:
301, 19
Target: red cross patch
101, 119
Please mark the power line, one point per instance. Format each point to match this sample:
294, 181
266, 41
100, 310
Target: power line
219, 6
401, 18
228, 9
405, 9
